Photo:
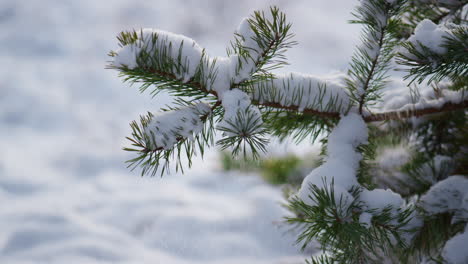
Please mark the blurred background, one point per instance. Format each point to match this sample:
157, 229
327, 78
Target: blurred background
65, 193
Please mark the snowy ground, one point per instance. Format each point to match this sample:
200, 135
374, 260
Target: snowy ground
205, 218
65, 195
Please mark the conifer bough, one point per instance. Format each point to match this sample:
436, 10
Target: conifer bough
342, 204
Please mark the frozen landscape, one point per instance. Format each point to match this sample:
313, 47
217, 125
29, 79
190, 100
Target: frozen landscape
65, 194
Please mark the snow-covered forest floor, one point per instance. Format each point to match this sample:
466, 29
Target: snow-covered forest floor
65, 194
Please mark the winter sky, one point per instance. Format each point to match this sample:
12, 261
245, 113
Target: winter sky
65, 194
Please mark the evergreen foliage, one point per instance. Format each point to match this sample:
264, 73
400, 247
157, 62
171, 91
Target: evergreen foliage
393, 183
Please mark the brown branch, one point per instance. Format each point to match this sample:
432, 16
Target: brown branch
393, 115
397, 115
330, 115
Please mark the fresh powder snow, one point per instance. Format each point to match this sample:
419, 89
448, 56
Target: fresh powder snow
166, 128
151, 41
448, 196
342, 160
455, 249
326, 94
430, 35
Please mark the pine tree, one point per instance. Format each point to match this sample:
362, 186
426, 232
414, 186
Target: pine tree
392, 186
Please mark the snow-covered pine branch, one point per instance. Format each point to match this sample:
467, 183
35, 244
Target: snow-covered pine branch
342, 161
178, 65
303, 93
242, 124
157, 136
164, 129
423, 101
435, 52
340, 204
448, 196
438, 11
370, 63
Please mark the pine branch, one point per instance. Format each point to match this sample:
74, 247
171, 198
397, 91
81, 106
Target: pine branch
444, 8
371, 71
368, 117
203, 118
450, 60
398, 115
154, 145
306, 111
273, 37
334, 222
370, 62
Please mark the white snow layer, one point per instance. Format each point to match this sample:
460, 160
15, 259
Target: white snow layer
341, 165
365, 219
226, 70
430, 35
150, 40
449, 195
234, 68
342, 160
454, 251
246, 66
398, 97
238, 111
304, 91
378, 199
165, 128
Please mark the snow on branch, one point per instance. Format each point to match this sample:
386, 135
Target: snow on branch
260, 42
342, 160
411, 112
158, 136
239, 85
305, 93
454, 250
428, 101
334, 202
436, 52
152, 48
164, 130
429, 35
370, 62
449, 196
242, 124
